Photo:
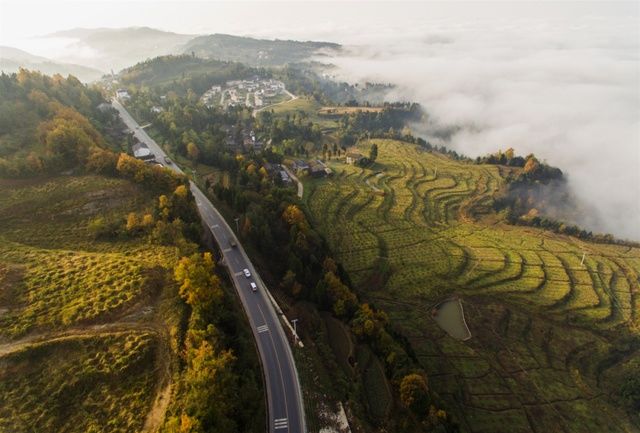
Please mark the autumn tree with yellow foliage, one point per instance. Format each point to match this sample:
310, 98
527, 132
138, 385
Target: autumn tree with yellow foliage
199, 286
414, 392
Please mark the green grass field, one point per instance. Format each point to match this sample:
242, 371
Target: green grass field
78, 335
377, 390
305, 105
340, 341
544, 326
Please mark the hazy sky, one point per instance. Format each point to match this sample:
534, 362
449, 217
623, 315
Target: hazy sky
560, 79
332, 20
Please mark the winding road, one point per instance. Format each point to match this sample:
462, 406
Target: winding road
284, 396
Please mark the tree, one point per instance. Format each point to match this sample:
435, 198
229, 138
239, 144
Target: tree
34, 163
209, 381
132, 223
367, 322
199, 286
193, 153
289, 282
294, 216
373, 153
509, 153
414, 392
101, 161
66, 139
150, 175
531, 165
147, 221
246, 227
329, 265
343, 300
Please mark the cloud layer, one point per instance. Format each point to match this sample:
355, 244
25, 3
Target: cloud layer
566, 88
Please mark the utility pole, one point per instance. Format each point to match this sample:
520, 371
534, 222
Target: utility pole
237, 226
295, 331
582, 261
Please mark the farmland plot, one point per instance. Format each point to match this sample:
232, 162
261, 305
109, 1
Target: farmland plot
545, 323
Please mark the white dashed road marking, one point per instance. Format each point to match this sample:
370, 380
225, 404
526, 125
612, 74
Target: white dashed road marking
263, 328
280, 423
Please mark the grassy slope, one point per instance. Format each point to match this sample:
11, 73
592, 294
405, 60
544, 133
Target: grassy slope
93, 384
541, 322
80, 344
304, 104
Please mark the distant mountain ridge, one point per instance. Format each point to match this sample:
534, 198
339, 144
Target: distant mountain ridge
12, 59
89, 53
20, 55
116, 49
84, 32
255, 52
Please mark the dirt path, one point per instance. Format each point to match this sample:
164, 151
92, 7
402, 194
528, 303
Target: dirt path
155, 417
291, 95
84, 331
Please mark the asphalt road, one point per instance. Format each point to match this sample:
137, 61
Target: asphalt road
284, 397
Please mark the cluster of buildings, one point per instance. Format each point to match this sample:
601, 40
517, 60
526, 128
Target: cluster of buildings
254, 93
277, 171
212, 96
243, 141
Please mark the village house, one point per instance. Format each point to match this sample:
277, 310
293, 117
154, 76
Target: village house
353, 157
284, 176
319, 169
276, 171
122, 94
300, 166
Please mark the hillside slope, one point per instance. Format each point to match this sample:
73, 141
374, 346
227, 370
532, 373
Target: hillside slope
112, 318
82, 341
12, 59
183, 73
554, 337
114, 49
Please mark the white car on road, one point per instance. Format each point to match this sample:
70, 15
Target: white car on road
246, 273
253, 287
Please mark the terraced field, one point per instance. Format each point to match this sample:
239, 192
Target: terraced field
547, 326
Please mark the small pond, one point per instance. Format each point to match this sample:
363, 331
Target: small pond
449, 314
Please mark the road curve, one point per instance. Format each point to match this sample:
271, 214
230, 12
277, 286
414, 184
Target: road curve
296, 180
284, 397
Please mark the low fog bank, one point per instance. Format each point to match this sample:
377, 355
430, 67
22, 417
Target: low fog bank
567, 90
